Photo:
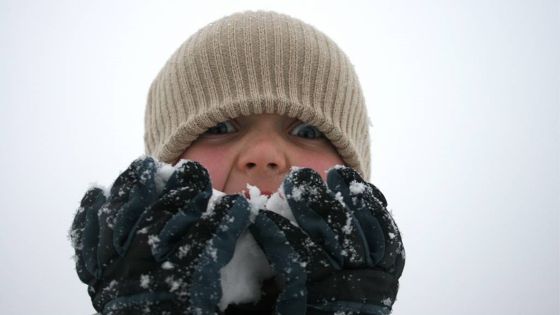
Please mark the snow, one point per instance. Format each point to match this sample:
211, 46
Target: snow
387, 301
339, 198
174, 284
214, 199
105, 189
182, 251
153, 240
297, 192
348, 227
256, 200
143, 230
357, 188
277, 203
145, 281
163, 173
212, 250
336, 167
167, 265
242, 277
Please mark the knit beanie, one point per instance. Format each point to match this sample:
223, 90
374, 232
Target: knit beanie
254, 63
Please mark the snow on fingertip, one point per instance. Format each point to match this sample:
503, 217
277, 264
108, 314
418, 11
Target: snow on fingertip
295, 168
278, 204
357, 188
256, 200
105, 189
336, 167
214, 199
163, 173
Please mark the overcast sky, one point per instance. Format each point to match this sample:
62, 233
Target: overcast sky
464, 97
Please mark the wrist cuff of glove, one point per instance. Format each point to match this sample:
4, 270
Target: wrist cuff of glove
365, 291
145, 303
347, 307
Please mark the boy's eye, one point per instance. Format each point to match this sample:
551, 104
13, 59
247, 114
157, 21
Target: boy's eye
307, 131
221, 128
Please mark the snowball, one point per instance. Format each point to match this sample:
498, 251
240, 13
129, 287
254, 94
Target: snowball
242, 277
276, 203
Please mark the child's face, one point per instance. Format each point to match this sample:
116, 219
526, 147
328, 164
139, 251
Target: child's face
260, 150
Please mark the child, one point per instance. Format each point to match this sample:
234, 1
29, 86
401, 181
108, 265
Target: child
241, 102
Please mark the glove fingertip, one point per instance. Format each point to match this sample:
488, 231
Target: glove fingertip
190, 174
337, 182
93, 198
301, 175
241, 209
265, 228
378, 194
302, 186
83, 232
141, 171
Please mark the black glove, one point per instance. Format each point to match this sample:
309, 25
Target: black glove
344, 255
141, 252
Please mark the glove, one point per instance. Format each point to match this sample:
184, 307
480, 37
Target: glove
144, 252
344, 253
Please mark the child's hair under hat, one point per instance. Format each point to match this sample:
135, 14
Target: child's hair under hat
253, 63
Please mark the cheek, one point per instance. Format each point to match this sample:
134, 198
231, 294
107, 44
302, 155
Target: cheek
320, 162
214, 159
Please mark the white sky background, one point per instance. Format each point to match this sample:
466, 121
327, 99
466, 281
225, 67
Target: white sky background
464, 97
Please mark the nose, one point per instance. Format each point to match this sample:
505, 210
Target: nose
263, 155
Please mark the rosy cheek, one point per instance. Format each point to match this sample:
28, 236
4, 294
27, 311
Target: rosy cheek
320, 163
214, 159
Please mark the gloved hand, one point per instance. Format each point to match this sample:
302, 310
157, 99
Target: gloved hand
344, 255
141, 252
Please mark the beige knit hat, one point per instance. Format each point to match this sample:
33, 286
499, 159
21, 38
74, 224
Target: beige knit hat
252, 63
